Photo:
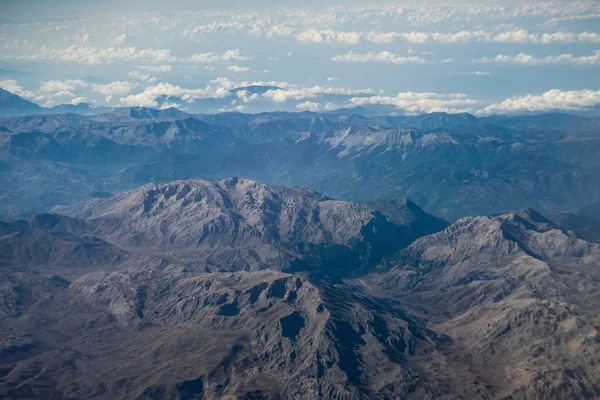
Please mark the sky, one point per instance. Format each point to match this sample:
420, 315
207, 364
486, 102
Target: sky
484, 57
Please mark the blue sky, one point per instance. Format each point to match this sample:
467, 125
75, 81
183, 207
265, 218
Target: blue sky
480, 57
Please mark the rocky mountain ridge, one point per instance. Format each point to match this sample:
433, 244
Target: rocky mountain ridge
453, 165
126, 297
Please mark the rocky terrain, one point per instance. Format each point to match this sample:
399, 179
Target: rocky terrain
236, 289
239, 224
516, 292
452, 165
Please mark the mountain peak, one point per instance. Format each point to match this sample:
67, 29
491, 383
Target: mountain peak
270, 226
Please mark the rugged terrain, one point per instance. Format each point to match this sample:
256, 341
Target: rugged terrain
237, 289
516, 291
453, 165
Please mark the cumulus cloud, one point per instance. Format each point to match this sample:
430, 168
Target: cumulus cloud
270, 31
527, 59
13, 86
523, 36
117, 88
381, 37
308, 106
140, 76
78, 100
229, 55
84, 37
62, 86
149, 97
157, 68
552, 100
465, 36
236, 68
96, 55
329, 36
382, 57
108, 55
120, 39
416, 103
298, 93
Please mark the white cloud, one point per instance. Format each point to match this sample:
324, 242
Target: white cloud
478, 73
79, 100
552, 100
108, 55
329, 36
120, 39
236, 68
264, 29
382, 57
117, 88
527, 59
415, 37
84, 37
296, 93
62, 86
148, 98
415, 103
229, 55
381, 37
157, 68
591, 37
95, 55
424, 37
11, 85
140, 76
514, 36
308, 106
523, 36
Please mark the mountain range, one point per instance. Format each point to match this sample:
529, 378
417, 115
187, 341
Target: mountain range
233, 288
453, 165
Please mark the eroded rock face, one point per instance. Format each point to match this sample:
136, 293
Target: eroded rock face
225, 334
197, 289
453, 165
239, 224
504, 287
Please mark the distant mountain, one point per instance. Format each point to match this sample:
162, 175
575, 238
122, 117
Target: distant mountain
80, 108
141, 113
453, 165
11, 104
590, 210
586, 228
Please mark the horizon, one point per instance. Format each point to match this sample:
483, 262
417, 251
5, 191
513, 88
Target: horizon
341, 111
412, 57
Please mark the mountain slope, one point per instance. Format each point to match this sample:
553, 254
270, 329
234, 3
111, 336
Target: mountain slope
239, 224
11, 104
197, 289
453, 165
154, 331
515, 292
